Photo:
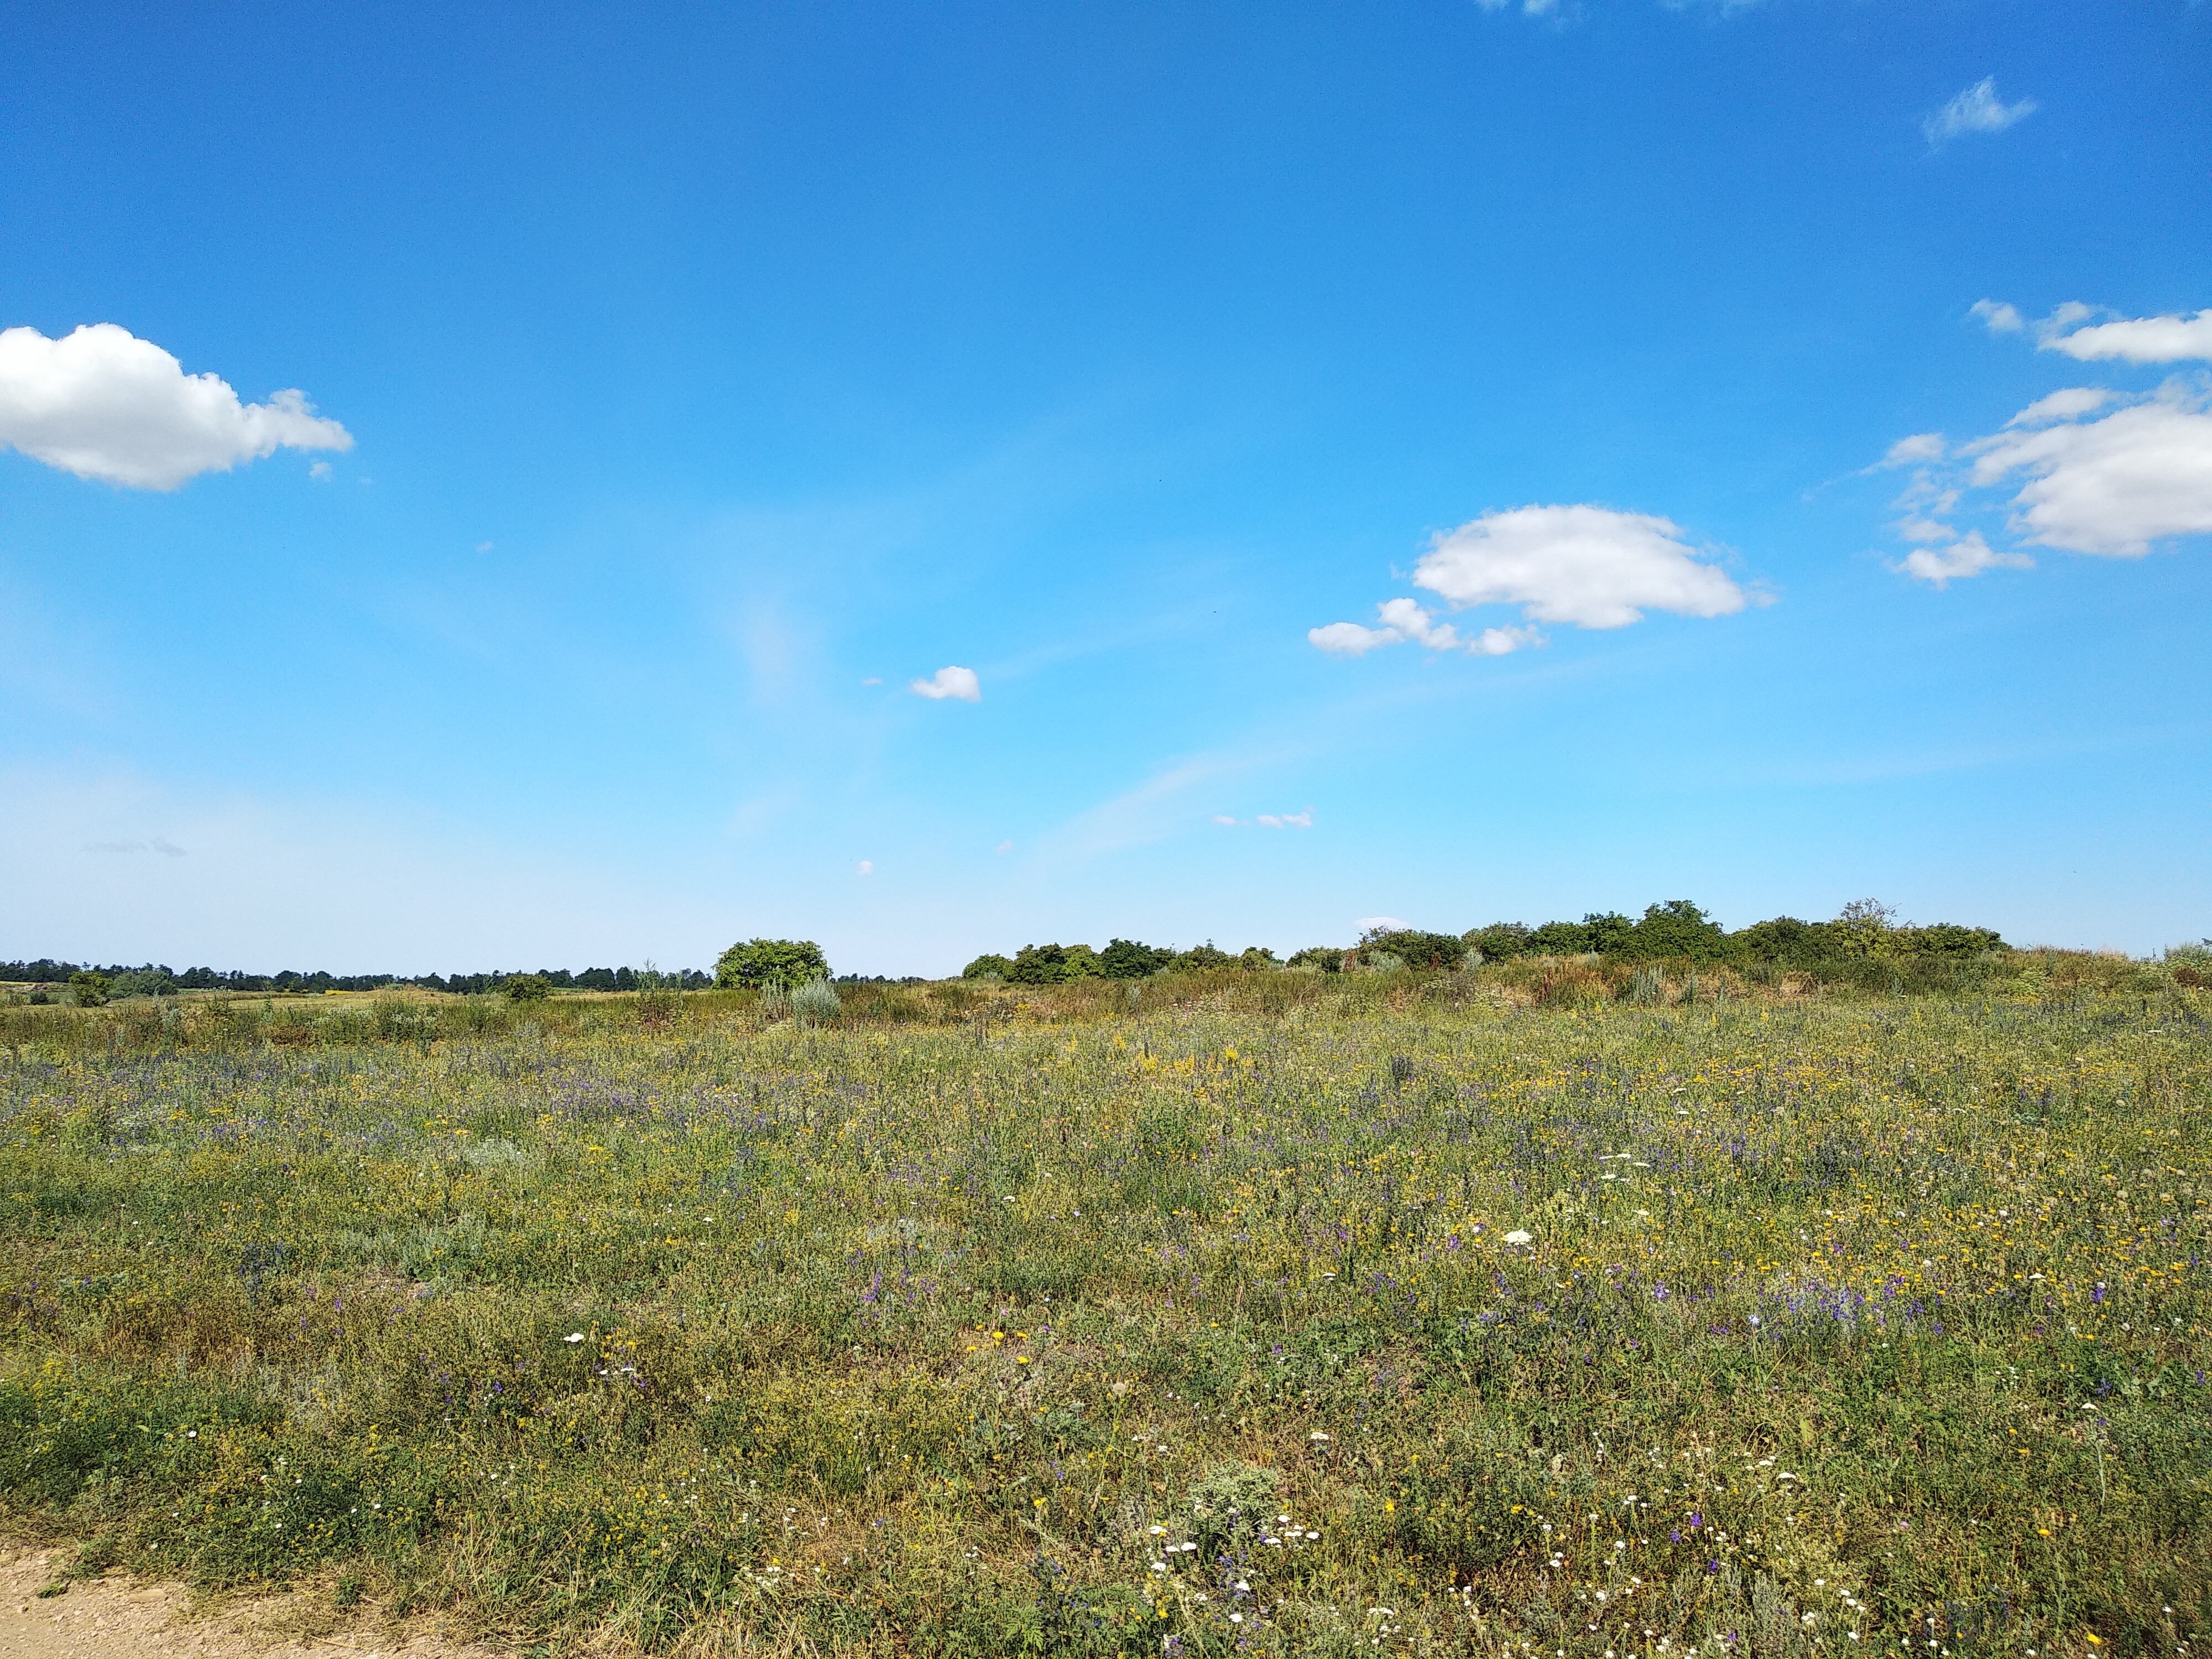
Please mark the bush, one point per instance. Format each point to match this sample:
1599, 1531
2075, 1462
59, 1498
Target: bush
1200, 956
1258, 959
526, 988
1501, 941
989, 965
816, 1001
1412, 948
1329, 958
1676, 929
783, 962
1124, 958
89, 988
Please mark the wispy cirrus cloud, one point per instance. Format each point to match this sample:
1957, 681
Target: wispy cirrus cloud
1978, 109
103, 403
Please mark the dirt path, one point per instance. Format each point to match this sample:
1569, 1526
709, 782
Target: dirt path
120, 1617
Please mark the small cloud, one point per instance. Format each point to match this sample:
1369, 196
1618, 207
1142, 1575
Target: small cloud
320, 472
103, 403
483, 547
2167, 340
1380, 925
1912, 451
1223, 817
1288, 820
873, 680
1978, 109
2001, 318
1502, 642
1004, 847
865, 867
1347, 639
167, 849
2065, 405
950, 681
1970, 555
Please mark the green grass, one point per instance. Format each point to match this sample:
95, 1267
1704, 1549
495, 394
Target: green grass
1849, 1324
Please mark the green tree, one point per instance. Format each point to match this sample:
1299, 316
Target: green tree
989, 965
1258, 959
89, 988
526, 988
786, 962
1202, 956
1561, 939
1329, 959
1501, 941
1414, 948
1676, 928
1124, 958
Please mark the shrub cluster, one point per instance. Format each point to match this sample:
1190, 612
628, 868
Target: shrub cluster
1678, 930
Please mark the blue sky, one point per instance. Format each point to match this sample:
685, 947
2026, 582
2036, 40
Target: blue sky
676, 392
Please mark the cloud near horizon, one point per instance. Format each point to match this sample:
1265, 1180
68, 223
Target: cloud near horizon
103, 403
950, 682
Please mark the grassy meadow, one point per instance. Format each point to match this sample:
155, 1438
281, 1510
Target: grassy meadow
1521, 1312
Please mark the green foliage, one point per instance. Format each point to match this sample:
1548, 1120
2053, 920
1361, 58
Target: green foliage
1258, 959
988, 966
1412, 948
1501, 941
1200, 957
1676, 930
90, 989
1053, 964
1329, 959
1561, 939
784, 962
526, 987
816, 1000
1125, 958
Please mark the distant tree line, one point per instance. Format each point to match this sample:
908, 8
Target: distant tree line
1675, 930
153, 979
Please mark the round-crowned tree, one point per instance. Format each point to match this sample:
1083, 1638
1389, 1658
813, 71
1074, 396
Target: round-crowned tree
786, 962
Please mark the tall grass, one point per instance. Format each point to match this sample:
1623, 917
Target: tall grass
975, 1322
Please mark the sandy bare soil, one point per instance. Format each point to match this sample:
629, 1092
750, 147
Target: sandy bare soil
119, 1617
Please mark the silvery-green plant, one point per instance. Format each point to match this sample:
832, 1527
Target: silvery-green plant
816, 1001
775, 1001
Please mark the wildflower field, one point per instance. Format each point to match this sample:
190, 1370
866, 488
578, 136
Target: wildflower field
1268, 1315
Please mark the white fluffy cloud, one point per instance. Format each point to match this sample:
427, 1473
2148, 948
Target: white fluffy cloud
1586, 565
2111, 486
103, 403
1978, 109
2081, 481
1589, 566
1969, 556
2133, 339
950, 682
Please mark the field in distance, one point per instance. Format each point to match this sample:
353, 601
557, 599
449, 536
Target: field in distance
1485, 1312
